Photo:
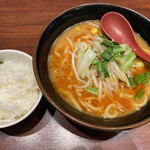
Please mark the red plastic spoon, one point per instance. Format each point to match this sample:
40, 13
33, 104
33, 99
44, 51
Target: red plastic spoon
118, 28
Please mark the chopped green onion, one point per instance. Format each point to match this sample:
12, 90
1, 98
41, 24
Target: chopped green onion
117, 49
93, 90
99, 66
95, 61
1, 62
104, 69
106, 55
107, 43
141, 78
116, 55
148, 74
95, 52
139, 94
104, 37
132, 82
112, 52
109, 49
136, 76
145, 81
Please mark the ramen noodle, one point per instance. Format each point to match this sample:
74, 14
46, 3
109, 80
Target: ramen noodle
98, 76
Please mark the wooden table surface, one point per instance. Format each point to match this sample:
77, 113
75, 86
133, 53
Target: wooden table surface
46, 129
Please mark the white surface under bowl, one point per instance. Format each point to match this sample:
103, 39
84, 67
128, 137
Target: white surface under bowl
17, 56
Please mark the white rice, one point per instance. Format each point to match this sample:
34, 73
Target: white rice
18, 91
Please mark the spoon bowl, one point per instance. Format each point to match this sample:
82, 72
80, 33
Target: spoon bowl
119, 29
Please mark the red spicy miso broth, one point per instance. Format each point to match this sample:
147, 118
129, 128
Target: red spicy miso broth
92, 82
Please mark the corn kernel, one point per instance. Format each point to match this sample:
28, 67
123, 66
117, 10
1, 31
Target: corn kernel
78, 28
138, 63
94, 31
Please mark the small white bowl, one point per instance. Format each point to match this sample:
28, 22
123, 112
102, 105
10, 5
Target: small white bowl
17, 56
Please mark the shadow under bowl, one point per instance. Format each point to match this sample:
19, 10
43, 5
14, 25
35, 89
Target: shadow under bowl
139, 23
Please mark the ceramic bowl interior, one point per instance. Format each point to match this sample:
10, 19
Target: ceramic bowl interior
140, 24
18, 57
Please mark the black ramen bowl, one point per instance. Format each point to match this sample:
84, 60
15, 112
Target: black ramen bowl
140, 24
